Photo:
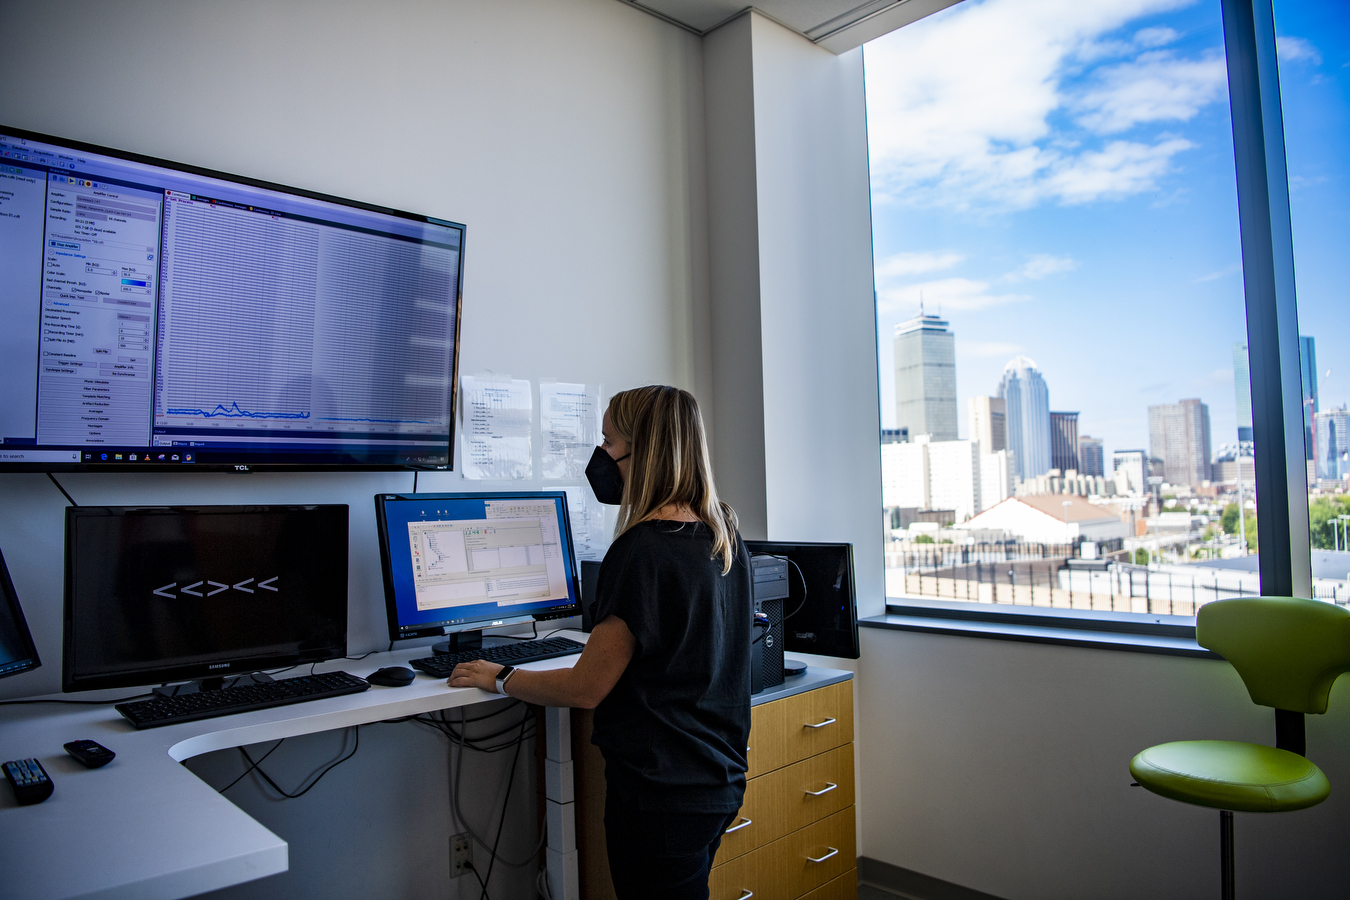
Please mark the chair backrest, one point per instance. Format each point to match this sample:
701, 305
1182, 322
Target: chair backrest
1288, 651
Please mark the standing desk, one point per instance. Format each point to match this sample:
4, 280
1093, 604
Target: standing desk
146, 828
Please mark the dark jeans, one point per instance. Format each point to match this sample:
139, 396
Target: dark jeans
660, 855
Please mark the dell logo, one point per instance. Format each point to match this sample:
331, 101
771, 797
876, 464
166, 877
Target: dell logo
768, 640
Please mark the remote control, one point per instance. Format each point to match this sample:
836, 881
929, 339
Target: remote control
29, 780
91, 753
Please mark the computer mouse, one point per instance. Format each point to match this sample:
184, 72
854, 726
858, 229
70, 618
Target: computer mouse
392, 676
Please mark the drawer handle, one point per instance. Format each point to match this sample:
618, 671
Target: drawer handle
828, 721
830, 785
746, 894
834, 851
744, 822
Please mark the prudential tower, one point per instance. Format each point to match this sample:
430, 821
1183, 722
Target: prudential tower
925, 377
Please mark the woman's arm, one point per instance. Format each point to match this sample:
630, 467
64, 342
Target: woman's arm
607, 654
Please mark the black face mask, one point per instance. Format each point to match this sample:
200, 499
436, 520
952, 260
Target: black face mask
603, 474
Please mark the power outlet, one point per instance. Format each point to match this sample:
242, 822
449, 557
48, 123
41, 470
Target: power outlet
461, 855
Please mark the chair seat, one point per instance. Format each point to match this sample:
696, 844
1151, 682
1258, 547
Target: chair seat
1231, 775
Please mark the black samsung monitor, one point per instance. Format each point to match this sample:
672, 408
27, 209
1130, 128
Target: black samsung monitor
163, 316
18, 653
457, 563
161, 594
821, 610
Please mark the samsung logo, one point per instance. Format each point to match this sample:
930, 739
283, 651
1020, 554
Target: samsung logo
219, 666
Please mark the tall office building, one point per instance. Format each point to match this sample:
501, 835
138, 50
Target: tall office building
1179, 436
1027, 402
1242, 384
1091, 460
1333, 443
1064, 441
925, 378
1131, 468
988, 423
1307, 366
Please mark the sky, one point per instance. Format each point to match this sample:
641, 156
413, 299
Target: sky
1055, 178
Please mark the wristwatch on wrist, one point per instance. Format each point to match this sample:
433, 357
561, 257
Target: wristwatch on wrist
503, 675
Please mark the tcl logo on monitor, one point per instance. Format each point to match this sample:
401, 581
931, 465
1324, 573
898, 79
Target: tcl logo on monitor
211, 588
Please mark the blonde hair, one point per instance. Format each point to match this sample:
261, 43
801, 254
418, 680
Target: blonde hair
670, 463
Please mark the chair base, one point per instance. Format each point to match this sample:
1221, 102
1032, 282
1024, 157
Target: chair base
1226, 870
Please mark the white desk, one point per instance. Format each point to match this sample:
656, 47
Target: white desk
145, 827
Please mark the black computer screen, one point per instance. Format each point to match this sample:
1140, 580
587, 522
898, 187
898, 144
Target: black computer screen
459, 562
17, 651
821, 609
158, 315
163, 594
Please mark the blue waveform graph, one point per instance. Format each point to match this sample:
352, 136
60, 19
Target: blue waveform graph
234, 411
377, 421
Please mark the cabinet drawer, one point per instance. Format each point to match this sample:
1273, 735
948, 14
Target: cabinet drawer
766, 738
845, 887
779, 802
817, 721
742, 878
815, 855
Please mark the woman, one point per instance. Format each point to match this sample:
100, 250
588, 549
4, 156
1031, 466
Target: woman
667, 666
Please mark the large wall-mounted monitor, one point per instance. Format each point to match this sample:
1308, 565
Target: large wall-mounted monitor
463, 562
18, 653
164, 594
158, 315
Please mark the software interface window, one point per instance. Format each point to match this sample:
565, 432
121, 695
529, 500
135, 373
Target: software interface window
150, 308
511, 556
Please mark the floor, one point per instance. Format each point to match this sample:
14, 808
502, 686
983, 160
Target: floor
867, 892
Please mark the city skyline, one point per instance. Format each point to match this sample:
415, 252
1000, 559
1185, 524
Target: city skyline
1032, 199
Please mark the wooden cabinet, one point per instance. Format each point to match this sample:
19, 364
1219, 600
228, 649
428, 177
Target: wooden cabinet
794, 835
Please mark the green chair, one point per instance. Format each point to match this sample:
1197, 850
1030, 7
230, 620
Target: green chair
1288, 652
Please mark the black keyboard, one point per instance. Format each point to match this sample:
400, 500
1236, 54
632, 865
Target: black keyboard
442, 664
259, 695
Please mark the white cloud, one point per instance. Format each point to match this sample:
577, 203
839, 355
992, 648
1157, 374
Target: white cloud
943, 295
901, 264
1152, 88
1293, 49
1215, 276
1042, 265
972, 127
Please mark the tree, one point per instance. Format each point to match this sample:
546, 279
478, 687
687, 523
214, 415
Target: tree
1322, 514
1141, 557
1229, 521
924, 539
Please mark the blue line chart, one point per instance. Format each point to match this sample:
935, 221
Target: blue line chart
235, 411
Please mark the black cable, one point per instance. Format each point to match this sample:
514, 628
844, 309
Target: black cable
61, 489
252, 767
317, 778
521, 637
483, 884
506, 801
77, 702
569, 628
414, 481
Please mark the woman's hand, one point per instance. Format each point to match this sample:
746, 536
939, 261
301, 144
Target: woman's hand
479, 673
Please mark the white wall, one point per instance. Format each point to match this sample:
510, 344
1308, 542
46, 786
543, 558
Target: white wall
1004, 767
566, 134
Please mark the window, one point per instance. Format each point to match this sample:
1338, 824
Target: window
1314, 61
1060, 306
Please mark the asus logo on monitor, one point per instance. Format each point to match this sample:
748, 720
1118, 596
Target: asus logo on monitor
215, 587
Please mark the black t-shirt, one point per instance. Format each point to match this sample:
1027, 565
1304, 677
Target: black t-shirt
673, 730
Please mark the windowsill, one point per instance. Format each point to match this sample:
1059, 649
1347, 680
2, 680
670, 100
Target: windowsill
1132, 632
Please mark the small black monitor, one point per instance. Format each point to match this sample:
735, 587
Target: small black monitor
821, 610
457, 563
161, 594
18, 653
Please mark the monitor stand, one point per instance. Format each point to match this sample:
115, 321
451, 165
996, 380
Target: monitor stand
793, 667
460, 640
214, 683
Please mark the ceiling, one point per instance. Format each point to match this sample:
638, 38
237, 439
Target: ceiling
837, 25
